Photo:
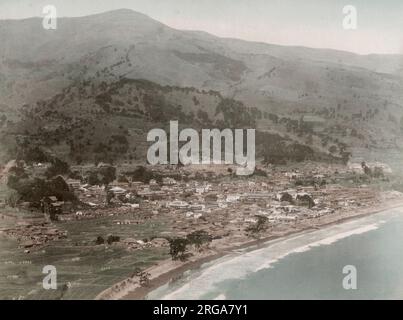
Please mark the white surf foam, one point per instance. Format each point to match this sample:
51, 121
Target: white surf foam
241, 265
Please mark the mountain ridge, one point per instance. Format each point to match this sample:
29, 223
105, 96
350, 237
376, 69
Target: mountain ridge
356, 99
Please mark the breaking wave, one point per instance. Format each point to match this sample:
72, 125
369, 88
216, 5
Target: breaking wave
197, 284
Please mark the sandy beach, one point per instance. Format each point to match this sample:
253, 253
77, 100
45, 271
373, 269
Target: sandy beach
168, 270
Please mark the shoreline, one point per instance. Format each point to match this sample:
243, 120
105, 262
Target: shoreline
168, 270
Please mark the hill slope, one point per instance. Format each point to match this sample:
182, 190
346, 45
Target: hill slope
347, 98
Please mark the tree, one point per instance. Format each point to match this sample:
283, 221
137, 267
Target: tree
12, 198
31, 154
103, 174
92, 179
177, 248
286, 197
345, 156
198, 238
144, 175
109, 195
111, 239
107, 174
260, 225
367, 170
306, 200
34, 189
99, 240
18, 170
57, 167
144, 279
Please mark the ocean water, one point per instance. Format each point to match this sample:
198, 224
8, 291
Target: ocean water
306, 266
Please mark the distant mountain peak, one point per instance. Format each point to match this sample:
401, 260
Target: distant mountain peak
123, 11
123, 14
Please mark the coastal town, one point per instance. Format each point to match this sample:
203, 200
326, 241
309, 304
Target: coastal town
207, 211
213, 201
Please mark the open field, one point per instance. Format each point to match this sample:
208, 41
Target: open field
88, 268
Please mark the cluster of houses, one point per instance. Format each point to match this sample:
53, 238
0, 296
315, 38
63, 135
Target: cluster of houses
217, 205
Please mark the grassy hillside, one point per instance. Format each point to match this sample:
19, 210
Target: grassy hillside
109, 122
74, 82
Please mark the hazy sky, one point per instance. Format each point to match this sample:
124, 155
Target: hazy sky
312, 23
